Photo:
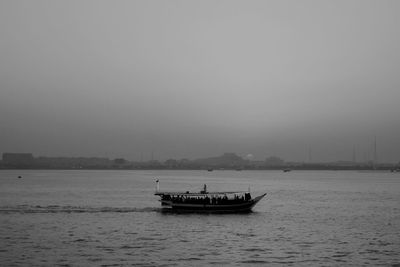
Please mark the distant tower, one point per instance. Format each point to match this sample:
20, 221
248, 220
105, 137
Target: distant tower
375, 152
354, 153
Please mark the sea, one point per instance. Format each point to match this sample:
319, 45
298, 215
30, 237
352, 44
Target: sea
113, 218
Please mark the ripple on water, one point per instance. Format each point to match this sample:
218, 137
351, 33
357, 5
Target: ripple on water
80, 240
95, 259
341, 254
254, 261
218, 263
255, 249
130, 247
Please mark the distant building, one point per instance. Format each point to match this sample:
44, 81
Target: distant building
227, 160
120, 161
74, 163
171, 163
274, 162
18, 160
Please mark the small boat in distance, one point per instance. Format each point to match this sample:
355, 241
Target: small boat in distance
204, 201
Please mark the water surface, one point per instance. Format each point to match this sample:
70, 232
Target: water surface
112, 218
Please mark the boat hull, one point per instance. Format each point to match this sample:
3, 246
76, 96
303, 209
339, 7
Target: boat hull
231, 208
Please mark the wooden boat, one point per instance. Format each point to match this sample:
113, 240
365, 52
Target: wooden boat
205, 201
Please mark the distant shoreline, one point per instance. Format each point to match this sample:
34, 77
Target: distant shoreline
205, 170
227, 161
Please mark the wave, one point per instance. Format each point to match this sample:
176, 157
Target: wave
71, 209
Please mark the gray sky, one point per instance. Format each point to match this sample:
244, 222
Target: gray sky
199, 78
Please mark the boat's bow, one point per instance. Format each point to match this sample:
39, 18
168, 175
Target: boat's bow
256, 199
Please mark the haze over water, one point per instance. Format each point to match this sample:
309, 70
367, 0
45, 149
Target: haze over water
93, 218
191, 79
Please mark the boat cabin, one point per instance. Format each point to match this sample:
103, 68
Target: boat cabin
205, 197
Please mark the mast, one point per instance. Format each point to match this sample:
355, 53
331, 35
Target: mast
375, 153
375, 160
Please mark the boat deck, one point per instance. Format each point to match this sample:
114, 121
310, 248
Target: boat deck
187, 193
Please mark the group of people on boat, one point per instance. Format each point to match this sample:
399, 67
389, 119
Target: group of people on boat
208, 199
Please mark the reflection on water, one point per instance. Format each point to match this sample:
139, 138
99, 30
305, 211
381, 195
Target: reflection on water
92, 218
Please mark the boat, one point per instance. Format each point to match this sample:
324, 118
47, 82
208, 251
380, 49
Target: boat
204, 201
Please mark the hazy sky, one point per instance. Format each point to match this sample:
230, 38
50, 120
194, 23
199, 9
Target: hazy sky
199, 78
